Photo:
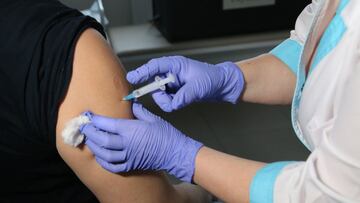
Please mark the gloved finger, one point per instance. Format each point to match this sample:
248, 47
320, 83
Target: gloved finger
106, 154
163, 100
142, 113
152, 68
93, 133
184, 96
111, 125
103, 139
148, 70
114, 168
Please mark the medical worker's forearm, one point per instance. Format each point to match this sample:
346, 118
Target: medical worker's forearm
267, 80
228, 177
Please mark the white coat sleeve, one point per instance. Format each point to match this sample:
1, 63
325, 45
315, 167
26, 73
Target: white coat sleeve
332, 171
289, 51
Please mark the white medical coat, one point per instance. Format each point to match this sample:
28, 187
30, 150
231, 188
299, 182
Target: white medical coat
325, 109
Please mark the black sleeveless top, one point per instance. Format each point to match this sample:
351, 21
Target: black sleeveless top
37, 42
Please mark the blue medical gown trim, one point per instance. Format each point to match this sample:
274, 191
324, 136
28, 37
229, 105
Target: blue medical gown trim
289, 52
262, 185
331, 37
341, 6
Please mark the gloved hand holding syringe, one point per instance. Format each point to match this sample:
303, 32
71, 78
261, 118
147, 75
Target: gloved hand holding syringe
148, 142
159, 83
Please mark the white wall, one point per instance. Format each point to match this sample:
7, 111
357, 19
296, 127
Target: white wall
120, 12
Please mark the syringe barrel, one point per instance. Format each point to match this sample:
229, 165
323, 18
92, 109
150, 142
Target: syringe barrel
146, 89
157, 84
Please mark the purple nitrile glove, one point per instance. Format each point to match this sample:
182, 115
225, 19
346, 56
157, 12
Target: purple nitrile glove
196, 81
149, 143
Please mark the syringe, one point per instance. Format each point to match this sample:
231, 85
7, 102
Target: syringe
159, 83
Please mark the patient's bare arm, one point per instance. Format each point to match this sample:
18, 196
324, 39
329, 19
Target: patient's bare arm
98, 85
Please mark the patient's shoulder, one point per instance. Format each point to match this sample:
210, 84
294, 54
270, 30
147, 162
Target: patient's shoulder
98, 84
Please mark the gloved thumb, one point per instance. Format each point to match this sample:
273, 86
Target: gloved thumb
142, 113
163, 100
184, 96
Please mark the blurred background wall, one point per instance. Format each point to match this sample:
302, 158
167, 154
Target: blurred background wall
120, 12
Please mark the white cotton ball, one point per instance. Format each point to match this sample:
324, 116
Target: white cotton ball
71, 133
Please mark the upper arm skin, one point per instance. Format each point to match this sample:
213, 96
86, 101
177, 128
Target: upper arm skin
98, 84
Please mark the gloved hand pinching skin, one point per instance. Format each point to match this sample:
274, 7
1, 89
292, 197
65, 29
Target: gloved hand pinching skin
196, 81
148, 143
